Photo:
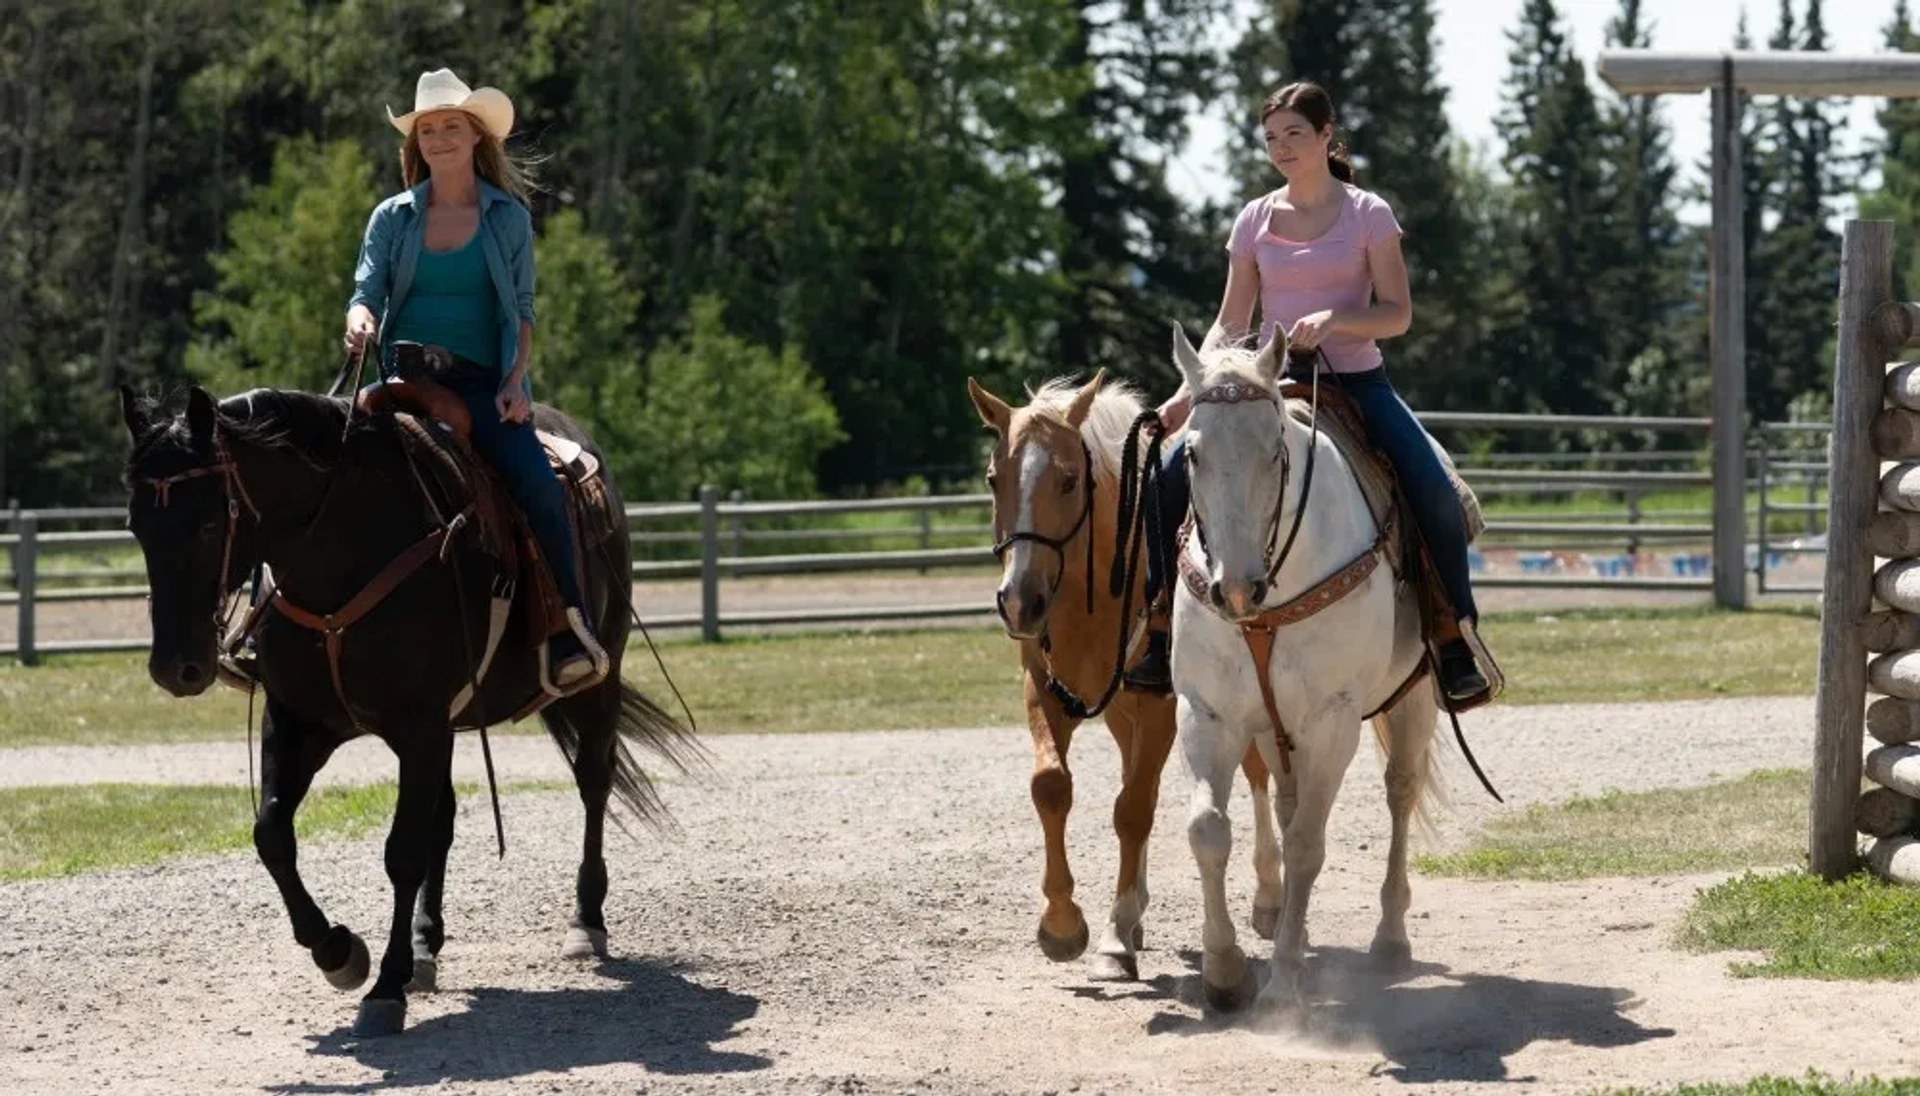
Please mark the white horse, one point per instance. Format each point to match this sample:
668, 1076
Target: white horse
1287, 631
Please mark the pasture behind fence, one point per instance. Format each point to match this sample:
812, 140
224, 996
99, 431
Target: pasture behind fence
1573, 517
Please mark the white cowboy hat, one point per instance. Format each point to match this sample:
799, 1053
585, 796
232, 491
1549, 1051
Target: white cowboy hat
442, 90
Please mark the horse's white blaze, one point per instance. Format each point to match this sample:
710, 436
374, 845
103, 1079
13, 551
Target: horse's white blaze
1325, 672
1021, 557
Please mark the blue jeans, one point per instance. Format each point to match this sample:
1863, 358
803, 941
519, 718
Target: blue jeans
520, 459
1393, 430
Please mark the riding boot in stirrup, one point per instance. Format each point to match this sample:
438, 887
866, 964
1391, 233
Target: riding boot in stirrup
582, 667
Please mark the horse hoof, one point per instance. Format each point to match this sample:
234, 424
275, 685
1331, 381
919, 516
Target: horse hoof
1391, 956
380, 1016
585, 943
352, 974
1063, 949
1266, 920
1139, 937
426, 975
1225, 977
1106, 967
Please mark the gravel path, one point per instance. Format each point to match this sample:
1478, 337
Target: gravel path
854, 913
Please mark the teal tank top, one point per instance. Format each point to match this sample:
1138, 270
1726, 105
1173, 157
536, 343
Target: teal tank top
453, 303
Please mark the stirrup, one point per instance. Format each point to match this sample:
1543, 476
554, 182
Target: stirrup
582, 671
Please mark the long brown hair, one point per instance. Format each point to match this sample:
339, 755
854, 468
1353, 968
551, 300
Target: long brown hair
1311, 101
490, 162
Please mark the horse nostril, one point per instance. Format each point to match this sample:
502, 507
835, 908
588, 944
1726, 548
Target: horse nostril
1214, 595
191, 673
1259, 591
1039, 605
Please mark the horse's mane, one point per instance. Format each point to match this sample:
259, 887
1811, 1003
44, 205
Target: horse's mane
310, 425
1105, 430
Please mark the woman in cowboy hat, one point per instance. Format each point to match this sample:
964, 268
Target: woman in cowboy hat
449, 261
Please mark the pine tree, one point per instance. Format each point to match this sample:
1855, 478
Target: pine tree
1555, 334
1646, 281
1897, 154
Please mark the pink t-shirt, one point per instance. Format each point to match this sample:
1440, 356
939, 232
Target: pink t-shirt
1301, 277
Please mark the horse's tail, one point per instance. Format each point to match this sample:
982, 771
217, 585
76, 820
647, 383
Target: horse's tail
1418, 713
636, 720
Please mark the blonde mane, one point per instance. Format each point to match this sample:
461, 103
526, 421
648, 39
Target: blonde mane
1105, 430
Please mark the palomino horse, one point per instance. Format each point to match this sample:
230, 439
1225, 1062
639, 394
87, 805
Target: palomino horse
1287, 632
1055, 478
330, 504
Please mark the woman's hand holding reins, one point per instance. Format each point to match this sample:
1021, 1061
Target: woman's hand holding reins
512, 403
360, 328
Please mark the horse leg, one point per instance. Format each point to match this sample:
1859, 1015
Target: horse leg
1408, 730
1266, 847
291, 753
1211, 750
429, 922
1142, 725
596, 712
425, 762
1327, 745
1063, 928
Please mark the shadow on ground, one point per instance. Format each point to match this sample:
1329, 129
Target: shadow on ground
1431, 1024
647, 1014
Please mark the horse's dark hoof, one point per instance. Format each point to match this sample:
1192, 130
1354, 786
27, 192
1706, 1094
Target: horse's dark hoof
426, 975
380, 1016
1226, 979
1113, 968
585, 943
351, 974
1391, 956
1266, 919
1063, 949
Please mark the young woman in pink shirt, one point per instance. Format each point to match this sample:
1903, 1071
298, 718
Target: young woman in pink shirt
1322, 259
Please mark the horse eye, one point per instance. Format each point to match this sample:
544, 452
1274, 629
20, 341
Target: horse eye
1069, 485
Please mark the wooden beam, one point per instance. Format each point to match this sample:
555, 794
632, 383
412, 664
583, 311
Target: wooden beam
1727, 349
1859, 383
1773, 72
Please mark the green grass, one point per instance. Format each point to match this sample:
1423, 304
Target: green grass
1601, 655
1758, 819
58, 831
1813, 1084
1857, 929
960, 677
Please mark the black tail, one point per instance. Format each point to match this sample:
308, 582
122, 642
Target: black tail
636, 720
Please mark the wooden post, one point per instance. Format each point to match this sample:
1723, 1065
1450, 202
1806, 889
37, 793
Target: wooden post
1866, 281
1729, 351
26, 563
710, 563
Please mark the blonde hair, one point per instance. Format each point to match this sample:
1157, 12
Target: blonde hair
490, 162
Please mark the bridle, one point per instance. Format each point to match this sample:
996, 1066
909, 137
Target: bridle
1237, 392
1059, 544
225, 467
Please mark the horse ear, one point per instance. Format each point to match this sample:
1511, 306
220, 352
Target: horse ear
1187, 359
993, 410
200, 414
1266, 364
1082, 404
130, 411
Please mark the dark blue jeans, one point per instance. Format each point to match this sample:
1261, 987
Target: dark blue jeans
1392, 429
520, 459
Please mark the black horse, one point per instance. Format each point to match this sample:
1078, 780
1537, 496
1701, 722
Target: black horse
329, 500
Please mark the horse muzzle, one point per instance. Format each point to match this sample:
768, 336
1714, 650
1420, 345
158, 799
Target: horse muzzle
181, 677
1238, 601
1022, 613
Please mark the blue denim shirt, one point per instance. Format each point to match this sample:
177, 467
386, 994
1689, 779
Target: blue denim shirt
391, 252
